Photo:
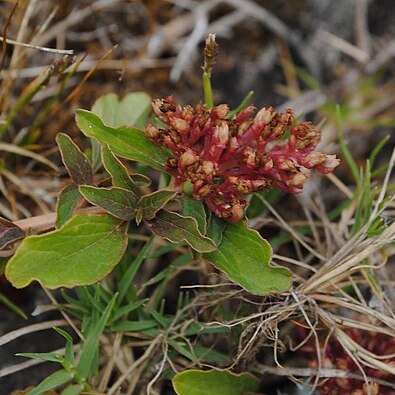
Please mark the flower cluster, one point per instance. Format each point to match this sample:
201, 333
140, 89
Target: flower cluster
226, 157
335, 357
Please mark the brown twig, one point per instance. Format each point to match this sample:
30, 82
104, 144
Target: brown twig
44, 222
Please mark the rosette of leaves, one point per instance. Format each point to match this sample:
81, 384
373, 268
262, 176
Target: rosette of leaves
88, 243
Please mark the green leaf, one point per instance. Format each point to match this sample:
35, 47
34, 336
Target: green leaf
150, 204
12, 306
73, 389
68, 200
82, 251
216, 228
118, 172
176, 228
195, 209
118, 202
185, 350
376, 150
352, 164
69, 352
140, 179
198, 328
218, 382
165, 274
77, 164
241, 106
208, 355
52, 381
125, 310
134, 326
94, 154
44, 356
159, 318
9, 233
127, 142
132, 110
126, 283
245, 258
85, 365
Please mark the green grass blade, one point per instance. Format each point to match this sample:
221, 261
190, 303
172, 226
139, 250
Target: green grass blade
344, 149
376, 150
134, 326
73, 389
125, 310
69, 352
12, 306
43, 356
85, 366
52, 381
241, 106
130, 273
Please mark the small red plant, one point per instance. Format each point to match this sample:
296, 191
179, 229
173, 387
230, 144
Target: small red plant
227, 157
335, 357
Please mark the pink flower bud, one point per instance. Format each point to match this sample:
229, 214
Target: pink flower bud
286, 165
188, 158
179, 124
297, 181
237, 213
221, 133
303, 136
249, 156
220, 111
313, 159
152, 132
208, 168
264, 115
330, 163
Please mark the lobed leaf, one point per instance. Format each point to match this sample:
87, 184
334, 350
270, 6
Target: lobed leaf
176, 228
76, 162
81, 252
244, 256
127, 142
118, 202
218, 382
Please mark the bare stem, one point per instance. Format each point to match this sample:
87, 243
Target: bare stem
44, 222
210, 53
